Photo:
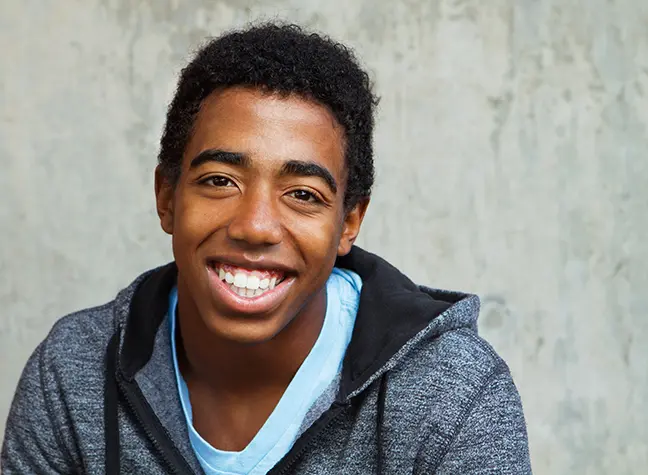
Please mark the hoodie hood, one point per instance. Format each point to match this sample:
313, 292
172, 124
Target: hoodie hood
394, 315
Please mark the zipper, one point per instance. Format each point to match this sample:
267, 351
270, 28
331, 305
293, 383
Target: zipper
175, 461
286, 464
155, 431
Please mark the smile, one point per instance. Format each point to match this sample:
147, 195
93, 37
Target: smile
248, 291
247, 283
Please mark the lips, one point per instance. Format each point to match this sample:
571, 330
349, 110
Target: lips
248, 290
248, 283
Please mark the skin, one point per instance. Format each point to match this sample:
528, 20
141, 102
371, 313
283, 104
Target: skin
237, 365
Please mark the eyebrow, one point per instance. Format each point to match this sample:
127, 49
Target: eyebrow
301, 168
220, 156
290, 168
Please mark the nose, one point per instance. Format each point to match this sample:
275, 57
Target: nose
257, 221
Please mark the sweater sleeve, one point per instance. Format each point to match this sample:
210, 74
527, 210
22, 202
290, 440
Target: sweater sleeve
33, 440
492, 438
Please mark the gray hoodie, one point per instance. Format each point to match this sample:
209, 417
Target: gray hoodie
420, 392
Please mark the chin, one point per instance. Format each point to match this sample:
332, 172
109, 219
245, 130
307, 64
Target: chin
245, 330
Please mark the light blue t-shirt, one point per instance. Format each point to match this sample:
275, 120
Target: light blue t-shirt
317, 372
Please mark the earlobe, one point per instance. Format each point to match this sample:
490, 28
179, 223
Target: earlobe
164, 201
352, 222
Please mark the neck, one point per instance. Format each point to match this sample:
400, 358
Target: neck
238, 369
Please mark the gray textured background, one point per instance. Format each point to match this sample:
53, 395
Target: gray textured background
511, 155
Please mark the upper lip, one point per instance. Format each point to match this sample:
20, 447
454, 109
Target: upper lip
262, 263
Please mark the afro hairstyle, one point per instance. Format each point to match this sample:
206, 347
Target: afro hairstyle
282, 59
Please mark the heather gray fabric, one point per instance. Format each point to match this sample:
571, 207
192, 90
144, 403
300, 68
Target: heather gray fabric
443, 403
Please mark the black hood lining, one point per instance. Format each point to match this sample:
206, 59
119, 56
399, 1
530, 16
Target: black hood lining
148, 308
392, 310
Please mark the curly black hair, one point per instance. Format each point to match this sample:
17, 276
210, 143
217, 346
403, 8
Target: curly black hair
282, 59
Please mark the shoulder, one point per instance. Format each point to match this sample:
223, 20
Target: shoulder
59, 392
474, 414
460, 357
79, 334
445, 375
464, 355
71, 358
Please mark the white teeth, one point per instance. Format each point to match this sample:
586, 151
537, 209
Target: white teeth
247, 285
248, 293
240, 280
253, 282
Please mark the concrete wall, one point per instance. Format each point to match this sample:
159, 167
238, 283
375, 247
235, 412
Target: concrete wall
511, 151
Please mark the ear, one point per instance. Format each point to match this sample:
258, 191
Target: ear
351, 226
164, 200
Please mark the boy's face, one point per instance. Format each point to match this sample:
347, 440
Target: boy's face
257, 216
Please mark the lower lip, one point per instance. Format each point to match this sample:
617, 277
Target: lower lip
263, 303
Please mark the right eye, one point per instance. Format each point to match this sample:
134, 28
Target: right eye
217, 180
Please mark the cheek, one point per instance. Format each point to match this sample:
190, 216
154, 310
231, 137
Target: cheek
195, 219
318, 240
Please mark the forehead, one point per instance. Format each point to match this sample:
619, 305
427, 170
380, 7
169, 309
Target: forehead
270, 128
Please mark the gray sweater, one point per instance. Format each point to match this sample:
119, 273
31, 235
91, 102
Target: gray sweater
420, 392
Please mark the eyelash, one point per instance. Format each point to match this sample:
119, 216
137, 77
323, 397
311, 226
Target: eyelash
212, 181
315, 199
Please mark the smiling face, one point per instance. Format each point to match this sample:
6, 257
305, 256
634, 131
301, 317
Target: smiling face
257, 215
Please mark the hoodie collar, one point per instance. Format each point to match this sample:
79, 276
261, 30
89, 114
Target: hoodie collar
393, 313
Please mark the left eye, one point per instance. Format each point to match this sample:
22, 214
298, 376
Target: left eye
303, 195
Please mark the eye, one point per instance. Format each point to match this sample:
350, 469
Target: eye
217, 180
306, 196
